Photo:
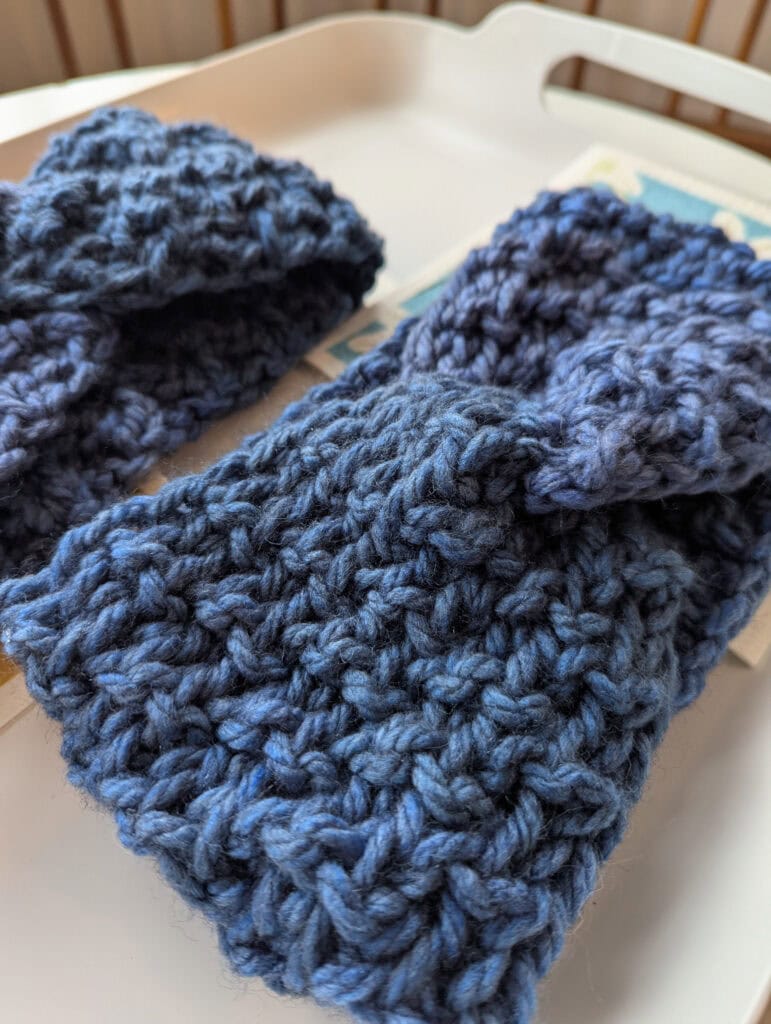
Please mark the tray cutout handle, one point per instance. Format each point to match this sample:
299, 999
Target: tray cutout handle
554, 36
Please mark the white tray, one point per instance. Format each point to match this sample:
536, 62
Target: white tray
433, 131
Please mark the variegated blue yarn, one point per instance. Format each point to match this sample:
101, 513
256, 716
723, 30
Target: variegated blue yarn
152, 278
379, 689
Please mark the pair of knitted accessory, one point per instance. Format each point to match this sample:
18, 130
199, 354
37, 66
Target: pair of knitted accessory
379, 689
152, 278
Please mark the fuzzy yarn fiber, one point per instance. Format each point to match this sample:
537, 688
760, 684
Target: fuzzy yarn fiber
152, 278
379, 689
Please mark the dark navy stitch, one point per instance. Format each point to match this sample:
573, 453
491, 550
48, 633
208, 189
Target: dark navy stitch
152, 278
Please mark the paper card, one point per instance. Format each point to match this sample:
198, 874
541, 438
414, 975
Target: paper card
664, 190
14, 698
754, 641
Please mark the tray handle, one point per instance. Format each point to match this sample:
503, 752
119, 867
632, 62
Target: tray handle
553, 36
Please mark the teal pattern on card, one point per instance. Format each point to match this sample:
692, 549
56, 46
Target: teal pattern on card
420, 301
661, 197
343, 349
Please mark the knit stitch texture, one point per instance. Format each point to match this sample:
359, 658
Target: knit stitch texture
152, 278
379, 689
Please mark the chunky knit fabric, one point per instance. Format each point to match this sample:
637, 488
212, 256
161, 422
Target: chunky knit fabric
380, 688
152, 278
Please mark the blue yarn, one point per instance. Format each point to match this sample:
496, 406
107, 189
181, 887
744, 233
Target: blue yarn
152, 278
379, 689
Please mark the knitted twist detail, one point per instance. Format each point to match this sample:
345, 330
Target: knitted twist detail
152, 278
379, 689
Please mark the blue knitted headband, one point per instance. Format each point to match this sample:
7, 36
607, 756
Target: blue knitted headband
120, 217
379, 689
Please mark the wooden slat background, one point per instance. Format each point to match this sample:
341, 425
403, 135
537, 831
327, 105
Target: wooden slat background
46, 40
49, 40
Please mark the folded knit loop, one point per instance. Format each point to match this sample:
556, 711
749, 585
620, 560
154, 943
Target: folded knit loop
126, 213
47, 363
379, 690
619, 389
662, 412
152, 278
